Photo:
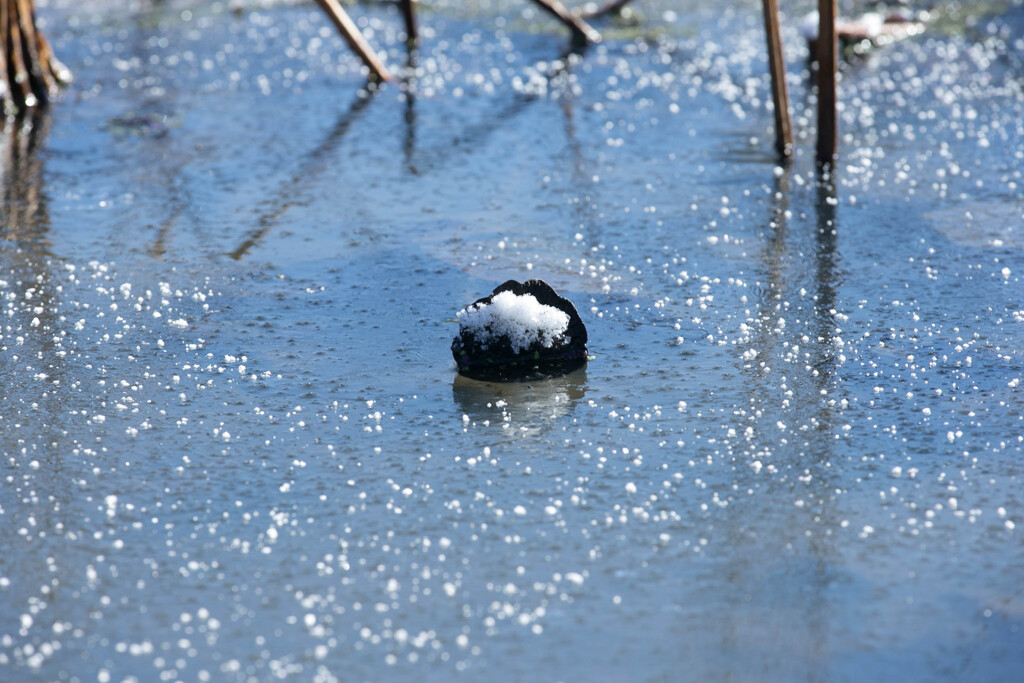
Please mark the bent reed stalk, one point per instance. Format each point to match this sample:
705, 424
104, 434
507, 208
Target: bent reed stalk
30, 72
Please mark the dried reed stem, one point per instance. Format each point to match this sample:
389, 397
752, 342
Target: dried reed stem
354, 37
412, 32
777, 68
828, 133
581, 30
29, 73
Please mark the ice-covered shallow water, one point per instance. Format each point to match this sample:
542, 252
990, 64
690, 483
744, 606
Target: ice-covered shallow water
235, 447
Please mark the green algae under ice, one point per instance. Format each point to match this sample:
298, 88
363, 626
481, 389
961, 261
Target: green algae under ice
522, 331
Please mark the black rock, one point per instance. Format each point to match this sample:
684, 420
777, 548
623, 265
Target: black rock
497, 360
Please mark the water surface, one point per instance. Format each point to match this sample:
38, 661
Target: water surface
235, 446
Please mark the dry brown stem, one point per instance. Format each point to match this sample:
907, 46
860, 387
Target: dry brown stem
354, 37
827, 64
29, 72
777, 67
581, 30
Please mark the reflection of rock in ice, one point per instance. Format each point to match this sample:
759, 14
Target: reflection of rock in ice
526, 405
521, 331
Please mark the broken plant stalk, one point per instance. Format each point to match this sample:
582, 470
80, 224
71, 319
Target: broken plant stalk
581, 30
777, 68
354, 37
30, 71
827, 63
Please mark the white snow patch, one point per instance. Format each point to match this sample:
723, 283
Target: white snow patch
522, 319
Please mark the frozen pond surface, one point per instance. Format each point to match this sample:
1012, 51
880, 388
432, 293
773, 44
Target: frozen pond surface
235, 447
